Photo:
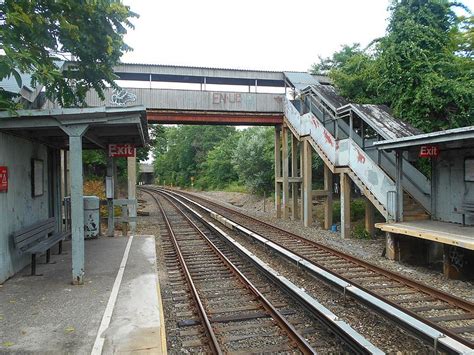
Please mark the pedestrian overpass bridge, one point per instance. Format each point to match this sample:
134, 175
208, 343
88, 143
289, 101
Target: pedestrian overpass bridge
192, 95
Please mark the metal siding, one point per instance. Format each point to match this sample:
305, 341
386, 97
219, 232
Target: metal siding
18, 208
169, 99
451, 189
198, 71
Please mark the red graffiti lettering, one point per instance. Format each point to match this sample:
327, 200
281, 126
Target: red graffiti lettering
360, 157
315, 121
328, 138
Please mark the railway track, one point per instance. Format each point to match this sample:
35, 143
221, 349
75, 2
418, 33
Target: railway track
444, 321
239, 307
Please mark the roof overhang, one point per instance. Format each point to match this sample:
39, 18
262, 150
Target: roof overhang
104, 126
453, 138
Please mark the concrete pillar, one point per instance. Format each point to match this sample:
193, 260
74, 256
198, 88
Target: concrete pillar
277, 171
392, 247
302, 184
285, 187
110, 183
450, 270
294, 172
77, 206
369, 218
307, 184
328, 205
345, 206
132, 190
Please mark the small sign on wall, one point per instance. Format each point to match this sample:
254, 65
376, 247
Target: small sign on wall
121, 150
3, 179
429, 151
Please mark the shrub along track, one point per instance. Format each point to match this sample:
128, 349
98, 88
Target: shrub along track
240, 307
444, 321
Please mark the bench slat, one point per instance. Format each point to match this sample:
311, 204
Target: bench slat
30, 238
48, 243
33, 226
19, 237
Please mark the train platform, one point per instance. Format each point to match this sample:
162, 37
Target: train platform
441, 232
117, 310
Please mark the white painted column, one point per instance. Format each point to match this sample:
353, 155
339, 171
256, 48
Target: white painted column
132, 189
307, 184
345, 206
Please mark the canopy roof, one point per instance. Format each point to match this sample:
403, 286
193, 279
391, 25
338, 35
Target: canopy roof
452, 138
105, 125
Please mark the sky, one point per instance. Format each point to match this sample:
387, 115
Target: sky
251, 34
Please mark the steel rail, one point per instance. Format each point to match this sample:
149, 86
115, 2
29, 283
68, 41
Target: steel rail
439, 340
213, 343
344, 331
302, 344
290, 330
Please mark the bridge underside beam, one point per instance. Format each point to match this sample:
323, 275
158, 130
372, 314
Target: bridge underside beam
214, 118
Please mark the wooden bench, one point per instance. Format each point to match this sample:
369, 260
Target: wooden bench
467, 208
38, 238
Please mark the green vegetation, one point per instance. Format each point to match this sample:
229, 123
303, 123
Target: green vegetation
214, 157
37, 36
422, 68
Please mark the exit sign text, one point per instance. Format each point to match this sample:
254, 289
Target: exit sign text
3, 179
121, 150
429, 151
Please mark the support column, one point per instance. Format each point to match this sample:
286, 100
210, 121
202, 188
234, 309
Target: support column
398, 184
450, 270
285, 187
132, 190
392, 247
302, 184
110, 194
328, 205
277, 171
345, 206
77, 202
369, 217
294, 185
307, 184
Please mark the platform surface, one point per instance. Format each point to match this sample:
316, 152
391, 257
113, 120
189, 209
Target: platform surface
47, 314
442, 232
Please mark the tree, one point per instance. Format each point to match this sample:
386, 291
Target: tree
186, 148
422, 68
38, 35
217, 171
420, 75
337, 60
253, 159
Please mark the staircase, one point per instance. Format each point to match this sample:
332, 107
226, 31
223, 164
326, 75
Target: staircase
322, 117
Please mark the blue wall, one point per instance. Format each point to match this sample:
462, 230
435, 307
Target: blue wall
17, 206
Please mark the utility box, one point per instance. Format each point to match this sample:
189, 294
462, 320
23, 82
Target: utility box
91, 217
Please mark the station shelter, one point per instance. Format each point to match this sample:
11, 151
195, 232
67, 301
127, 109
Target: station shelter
34, 171
448, 235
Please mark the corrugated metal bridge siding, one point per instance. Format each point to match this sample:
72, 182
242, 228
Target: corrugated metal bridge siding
168, 99
199, 71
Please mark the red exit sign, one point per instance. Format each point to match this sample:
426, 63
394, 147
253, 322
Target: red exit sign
121, 150
429, 151
3, 179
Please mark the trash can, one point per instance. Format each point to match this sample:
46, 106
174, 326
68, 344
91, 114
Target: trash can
91, 217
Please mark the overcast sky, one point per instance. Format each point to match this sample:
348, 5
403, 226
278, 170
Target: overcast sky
251, 34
